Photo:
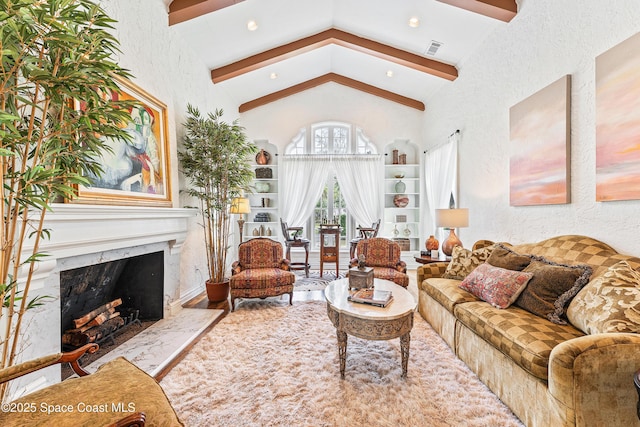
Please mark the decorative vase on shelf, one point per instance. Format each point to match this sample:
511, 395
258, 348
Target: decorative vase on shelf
432, 244
262, 187
263, 157
400, 200
395, 231
268, 231
256, 232
406, 231
400, 187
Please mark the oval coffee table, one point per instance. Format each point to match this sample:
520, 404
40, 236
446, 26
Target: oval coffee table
368, 321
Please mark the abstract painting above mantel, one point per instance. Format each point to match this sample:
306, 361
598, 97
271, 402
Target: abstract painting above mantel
137, 171
618, 122
540, 144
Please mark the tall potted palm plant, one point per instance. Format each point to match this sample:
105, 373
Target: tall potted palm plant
216, 159
54, 52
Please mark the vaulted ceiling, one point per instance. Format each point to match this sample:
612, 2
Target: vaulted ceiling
368, 45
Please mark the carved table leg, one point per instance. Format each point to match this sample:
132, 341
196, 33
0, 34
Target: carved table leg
404, 349
342, 350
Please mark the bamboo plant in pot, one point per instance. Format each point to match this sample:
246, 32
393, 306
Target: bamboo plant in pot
53, 53
216, 159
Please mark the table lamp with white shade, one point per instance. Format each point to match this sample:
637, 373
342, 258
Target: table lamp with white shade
452, 219
240, 205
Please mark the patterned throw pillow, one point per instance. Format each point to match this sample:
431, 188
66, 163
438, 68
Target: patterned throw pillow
609, 303
464, 261
504, 257
551, 288
497, 286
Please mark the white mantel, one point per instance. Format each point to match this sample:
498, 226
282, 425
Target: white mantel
82, 229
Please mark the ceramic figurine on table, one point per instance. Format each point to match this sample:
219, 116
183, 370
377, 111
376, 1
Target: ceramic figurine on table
361, 262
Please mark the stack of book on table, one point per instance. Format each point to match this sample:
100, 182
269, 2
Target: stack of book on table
371, 296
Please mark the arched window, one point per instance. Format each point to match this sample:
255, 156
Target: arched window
298, 143
330, 138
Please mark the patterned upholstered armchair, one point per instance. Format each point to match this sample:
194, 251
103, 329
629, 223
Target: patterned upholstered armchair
384, 256
261, 271
117, 380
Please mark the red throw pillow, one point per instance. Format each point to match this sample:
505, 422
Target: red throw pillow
497, 286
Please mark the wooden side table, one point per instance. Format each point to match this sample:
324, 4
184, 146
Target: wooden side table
428, 260
329, 245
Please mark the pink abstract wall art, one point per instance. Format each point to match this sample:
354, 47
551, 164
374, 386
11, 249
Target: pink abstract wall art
539, 171
618, 122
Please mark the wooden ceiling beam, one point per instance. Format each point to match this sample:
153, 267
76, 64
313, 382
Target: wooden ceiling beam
336, 78
503, 10
183, 10
340, 38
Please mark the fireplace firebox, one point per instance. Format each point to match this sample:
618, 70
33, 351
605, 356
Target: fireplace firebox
136, 281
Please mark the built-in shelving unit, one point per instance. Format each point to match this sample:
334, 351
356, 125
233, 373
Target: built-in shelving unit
402, 202
264, 200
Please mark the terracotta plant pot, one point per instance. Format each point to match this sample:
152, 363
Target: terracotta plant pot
217, 292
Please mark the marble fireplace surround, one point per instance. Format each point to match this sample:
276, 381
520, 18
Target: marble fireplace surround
83, 235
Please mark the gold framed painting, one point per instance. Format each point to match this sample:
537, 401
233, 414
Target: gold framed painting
136, 172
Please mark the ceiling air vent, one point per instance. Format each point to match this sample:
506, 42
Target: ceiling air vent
433, 48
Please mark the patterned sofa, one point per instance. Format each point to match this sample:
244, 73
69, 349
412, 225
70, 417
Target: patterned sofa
549, 374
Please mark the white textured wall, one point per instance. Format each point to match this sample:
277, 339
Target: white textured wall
382, 121
166, 67
548, 39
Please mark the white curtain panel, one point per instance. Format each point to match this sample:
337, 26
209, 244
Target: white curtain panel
441, 170
302, 181
360, 182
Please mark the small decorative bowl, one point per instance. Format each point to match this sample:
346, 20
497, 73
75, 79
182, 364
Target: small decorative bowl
399, 175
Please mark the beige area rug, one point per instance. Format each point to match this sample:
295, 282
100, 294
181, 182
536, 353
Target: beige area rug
271, 364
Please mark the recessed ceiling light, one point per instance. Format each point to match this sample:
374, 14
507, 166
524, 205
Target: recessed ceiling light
389, 73
414, 22
273, 76
252, 25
